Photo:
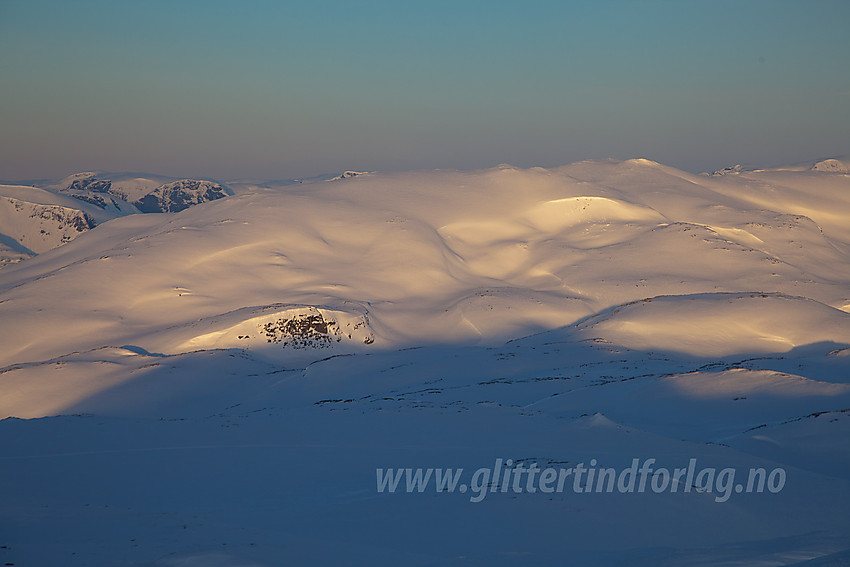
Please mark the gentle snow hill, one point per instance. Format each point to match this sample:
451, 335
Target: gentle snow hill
720, 324
430, 257
219, 386
837, 164
817, 190
247, 185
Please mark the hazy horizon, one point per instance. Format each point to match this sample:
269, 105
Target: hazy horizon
286, 90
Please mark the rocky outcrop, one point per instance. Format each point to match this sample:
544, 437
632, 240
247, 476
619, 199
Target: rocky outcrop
35, 228
179, 195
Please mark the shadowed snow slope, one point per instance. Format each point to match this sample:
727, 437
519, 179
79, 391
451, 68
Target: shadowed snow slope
720, 324
246, 364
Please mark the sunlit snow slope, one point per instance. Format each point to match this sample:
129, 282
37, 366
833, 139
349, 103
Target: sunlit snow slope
441, 257
438, 318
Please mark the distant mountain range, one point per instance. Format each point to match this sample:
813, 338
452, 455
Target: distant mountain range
37, 216
36, 219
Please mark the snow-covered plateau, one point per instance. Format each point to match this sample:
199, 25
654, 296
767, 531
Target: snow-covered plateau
218, 383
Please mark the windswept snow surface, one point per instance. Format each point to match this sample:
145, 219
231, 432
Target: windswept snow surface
218, 386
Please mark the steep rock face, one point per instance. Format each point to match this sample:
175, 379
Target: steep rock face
179, 195
36, 228
88, 187
88, 182
128, 196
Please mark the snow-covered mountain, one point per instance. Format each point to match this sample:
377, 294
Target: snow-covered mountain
839, 164
832, 165
246, 366
127, 187
90, 188
34, 220
179, 195
129, 193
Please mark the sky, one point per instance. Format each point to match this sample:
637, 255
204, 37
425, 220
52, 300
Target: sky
284, 89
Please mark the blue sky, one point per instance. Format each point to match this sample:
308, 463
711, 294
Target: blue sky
291, 88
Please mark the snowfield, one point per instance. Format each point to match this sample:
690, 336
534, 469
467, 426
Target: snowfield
217, 386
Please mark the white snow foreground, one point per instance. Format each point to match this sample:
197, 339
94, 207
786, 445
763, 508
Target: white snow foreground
224, 381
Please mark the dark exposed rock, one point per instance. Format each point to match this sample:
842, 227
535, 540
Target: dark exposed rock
179, 195
78, 220
301, 331
90, 184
